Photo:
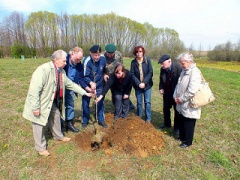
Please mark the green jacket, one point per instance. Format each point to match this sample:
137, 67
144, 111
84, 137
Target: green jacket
41, 93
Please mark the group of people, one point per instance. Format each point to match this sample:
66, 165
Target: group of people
178, 83
50, 99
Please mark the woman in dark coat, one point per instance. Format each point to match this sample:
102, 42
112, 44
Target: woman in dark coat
121, 84
142, 73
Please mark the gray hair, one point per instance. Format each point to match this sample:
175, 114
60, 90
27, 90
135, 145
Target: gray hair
58, 54
187, 56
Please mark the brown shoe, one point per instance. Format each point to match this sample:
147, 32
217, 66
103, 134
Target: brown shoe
44, 153
65, 139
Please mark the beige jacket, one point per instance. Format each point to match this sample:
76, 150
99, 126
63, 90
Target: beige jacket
41, 93
188, 84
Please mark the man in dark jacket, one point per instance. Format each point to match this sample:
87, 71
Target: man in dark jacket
120, 82
113, 58
169, 74
74, 71
94, 69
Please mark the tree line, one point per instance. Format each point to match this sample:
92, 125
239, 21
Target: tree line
42, 32
225, 52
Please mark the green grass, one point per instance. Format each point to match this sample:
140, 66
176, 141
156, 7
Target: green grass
215, 153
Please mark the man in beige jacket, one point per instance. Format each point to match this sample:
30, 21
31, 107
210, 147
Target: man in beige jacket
45, 100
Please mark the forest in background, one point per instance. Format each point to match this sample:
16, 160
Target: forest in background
43, 32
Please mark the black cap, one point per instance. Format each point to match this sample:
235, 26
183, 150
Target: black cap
163, 58
95, 49
110, 48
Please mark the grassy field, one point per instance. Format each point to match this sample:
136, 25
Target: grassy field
215, 153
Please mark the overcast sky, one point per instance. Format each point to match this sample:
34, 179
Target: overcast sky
204, 23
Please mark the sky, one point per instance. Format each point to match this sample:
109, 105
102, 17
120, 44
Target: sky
201, 24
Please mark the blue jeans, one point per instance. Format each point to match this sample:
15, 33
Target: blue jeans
147, 102
69, 104
86, 109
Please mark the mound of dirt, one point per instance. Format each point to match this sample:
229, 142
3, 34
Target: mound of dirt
129, 135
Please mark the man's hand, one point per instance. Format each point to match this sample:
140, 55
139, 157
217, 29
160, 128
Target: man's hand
93, 85
161, 91
88, 89
125, 96
36, 113
99, 98
106, 77
90, 95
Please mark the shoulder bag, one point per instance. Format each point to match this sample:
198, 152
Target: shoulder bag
203, 96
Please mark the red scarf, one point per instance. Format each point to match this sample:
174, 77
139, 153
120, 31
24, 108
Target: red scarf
59, 89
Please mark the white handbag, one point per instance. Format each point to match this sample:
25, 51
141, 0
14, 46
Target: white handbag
203, 96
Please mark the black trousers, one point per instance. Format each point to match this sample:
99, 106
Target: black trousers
168, 103
121, 106
186, 129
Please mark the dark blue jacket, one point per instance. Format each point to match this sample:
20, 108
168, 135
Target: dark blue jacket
147, 73
176, 70
76, 76
93, 71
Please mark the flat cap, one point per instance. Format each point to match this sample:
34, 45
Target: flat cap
110, 48
164, 58
95, 49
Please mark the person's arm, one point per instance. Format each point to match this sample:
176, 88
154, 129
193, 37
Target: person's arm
108, 85
37, 83
161, 83
73, 86
149, 75
193, 85
106, 88
127, 83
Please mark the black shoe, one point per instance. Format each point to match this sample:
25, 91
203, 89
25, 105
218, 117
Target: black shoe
176, 134
183, 145
103, 124
163, 126
132, 107
71, 127
63, 127
84, 125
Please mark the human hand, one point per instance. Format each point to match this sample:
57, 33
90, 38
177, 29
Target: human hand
106, 77
89, 94
93, 85
125, 96
161, 91
98, 99
36, 113
177, 101
142, 85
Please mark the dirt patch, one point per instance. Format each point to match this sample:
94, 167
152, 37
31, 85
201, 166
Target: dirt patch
131, 136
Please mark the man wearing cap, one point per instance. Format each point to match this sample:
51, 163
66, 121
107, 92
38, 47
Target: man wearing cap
169, 74
113, 58
94, 69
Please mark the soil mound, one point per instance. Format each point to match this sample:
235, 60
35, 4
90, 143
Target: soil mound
127, 135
